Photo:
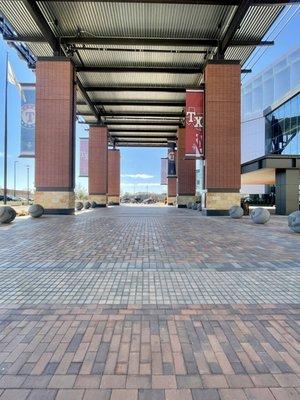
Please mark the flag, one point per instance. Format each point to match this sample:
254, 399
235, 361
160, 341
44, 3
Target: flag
11, 77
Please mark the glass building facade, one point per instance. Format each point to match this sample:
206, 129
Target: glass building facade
276, 84
271, 112
283, 128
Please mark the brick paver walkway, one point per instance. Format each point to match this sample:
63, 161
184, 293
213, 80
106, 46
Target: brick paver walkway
149, 304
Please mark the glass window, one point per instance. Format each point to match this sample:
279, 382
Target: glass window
295, 74
283, 129
281, 82
268, 92
257, 95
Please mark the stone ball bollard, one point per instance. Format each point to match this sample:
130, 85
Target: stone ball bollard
87, 205
7, 214
36, 210
294, 221
260, 215
93, 204
236, 212
290, 217
79, 205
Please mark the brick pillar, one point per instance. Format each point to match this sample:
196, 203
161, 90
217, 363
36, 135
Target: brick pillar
172, 186
55, 135
113, 175
222, 137
98, 161
186, 174
172, 190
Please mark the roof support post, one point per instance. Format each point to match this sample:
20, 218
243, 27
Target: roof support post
233, 27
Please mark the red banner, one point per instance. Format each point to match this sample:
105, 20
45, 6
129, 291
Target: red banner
84, 157
194, 124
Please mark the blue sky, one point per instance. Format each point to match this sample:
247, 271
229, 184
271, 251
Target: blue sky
140, 166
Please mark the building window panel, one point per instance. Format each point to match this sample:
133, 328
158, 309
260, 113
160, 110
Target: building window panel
283, 129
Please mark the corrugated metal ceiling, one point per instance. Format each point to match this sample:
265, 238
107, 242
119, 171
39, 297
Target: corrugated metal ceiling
139, 58
139, 96
139, 20
137, 78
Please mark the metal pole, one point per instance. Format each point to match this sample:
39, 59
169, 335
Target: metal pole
15, 177
27, 184
5, 136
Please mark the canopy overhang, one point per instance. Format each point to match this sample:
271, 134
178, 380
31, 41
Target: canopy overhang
262, 171
135, 59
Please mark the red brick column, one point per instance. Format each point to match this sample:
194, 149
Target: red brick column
186, 173
222, 136
98, 161
172, 186
113, 175
55, 135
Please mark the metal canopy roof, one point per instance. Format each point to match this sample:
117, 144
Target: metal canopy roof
135, 59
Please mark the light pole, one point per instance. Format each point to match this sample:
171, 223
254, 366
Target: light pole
15, 177
27, 166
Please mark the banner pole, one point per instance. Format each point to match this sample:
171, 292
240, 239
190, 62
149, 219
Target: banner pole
5, 135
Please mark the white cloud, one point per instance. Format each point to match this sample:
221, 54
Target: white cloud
138, 176
138, 184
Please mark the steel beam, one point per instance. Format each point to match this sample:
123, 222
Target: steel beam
88, 101
152, 69
146, 134
142, 123
134, 114
139, 144
144, 115
143, 137
197, 2
168, 42
163, 89
186, 42
142, 130
158, 103
233, 27
39, 19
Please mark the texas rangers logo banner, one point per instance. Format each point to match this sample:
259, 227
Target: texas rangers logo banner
27, 120
194, 124
171, 162
84, 157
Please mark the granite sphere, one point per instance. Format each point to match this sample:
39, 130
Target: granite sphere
291, 216
79, 205
7, 214
294, 221
87, 205
260, 215
36, 210
236, 212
